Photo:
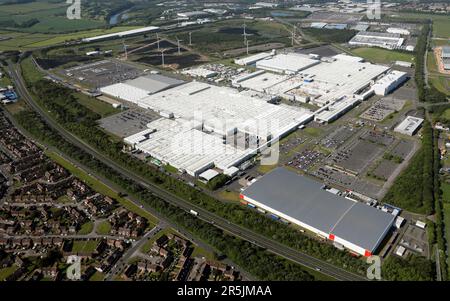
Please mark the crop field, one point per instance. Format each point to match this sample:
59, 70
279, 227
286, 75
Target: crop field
378, 55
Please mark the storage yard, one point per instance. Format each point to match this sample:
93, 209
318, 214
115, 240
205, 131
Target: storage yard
101, 73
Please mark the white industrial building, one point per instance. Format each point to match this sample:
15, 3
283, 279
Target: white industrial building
403, 64
398, 30
379, 39
409, 126
122, 34
336, 84
186, 147
318, 25
212, 127
335, 110
252, 59
289, 196
289, 63
337, 78
138, 88
389, 82
200, 72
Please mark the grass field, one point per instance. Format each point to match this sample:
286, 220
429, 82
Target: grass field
84, 246
441, 23
102, 188
314, 132
231, 196
97, 276
225, 35
86, 228
440, 82
23, 40
445, 192
30, 73
378, 55
5, 272
103, 228
102, 108
50, 17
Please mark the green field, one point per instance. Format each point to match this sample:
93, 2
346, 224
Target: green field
441, 23
440, 82
84, 246
48, 17
5, 272
225, 35
102, 108
445, 192
102, 188
86, 228
29, 71
97, 276
383, 56
23, 40
103, 228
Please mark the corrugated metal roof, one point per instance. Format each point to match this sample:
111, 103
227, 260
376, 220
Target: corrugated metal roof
300, 198
154, 83
304, 199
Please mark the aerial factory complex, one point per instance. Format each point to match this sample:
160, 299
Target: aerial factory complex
245, 140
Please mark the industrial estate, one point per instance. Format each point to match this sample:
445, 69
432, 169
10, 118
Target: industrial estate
198, 144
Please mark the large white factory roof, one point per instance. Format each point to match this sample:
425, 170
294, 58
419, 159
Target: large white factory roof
357, 226
380, 39
249, 60
398, 30
260, 81
181, 144
336, 109
121, 34
388, 82
223, 110
138, 88
336, 79
330, 80
409, 126
287, 63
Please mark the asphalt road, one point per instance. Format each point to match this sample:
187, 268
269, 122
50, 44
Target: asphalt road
257, 239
